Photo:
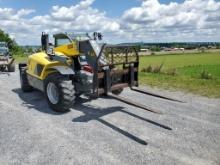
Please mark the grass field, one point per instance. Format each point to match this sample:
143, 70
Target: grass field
188, 69
19, 59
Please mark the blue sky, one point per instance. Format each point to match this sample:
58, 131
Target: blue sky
118, 20
113, 8
109, 6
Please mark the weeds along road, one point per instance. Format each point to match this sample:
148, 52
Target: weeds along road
106, 131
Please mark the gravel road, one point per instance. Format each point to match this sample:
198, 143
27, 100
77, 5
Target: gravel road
107, 131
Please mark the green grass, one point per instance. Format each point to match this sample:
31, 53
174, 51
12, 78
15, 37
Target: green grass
20, 59
195, 71
181, 60
188, 75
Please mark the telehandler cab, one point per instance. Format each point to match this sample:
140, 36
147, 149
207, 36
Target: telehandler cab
78, 64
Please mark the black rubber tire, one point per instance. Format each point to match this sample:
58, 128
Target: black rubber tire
66, 92
25, 87
11, 67
118, 91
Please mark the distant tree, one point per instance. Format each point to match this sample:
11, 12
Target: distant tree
30, 50
138, 47
155, 48
12, 45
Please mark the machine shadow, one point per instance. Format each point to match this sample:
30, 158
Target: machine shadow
36, 100
102, 112
94, 113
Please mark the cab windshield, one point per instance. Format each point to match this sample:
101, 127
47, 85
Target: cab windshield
62, 41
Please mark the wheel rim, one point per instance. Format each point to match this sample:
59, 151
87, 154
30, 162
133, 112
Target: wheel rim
52, 93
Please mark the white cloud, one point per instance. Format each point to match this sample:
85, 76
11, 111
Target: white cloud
192, 20
81, 17
77, 18
15, 23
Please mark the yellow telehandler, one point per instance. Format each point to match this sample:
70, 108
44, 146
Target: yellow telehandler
79, 64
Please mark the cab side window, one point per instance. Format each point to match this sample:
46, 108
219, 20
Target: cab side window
61, 41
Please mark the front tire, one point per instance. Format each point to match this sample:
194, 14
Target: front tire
59, 92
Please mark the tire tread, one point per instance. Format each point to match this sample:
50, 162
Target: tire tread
67, 92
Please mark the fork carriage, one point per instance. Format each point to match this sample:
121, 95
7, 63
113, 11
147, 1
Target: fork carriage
116, 68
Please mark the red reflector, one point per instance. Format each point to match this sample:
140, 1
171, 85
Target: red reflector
88, 68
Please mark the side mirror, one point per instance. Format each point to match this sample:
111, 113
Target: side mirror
100, 36
97, 35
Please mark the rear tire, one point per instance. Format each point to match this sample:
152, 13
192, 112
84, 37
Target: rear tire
11, 67
60, 92
25, 87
